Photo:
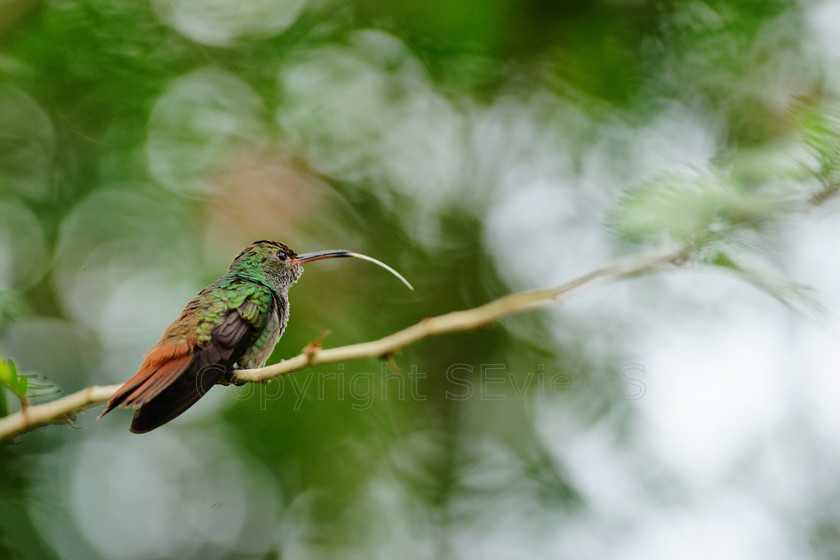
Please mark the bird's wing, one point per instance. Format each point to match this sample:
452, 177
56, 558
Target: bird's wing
163, 364
175, 375
161, 403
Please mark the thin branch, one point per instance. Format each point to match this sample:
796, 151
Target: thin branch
58, 411
468, 319
65, 408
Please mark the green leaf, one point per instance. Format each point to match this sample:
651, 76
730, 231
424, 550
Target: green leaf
820, 127
39, 386
22, 386
693, 209
795, 296
10, 378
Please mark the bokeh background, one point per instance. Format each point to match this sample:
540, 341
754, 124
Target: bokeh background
480, 147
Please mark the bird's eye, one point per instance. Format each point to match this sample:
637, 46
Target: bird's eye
282, 256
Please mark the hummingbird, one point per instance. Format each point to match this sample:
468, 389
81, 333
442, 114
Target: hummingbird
233, 323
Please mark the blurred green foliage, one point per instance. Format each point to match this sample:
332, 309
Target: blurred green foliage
478, 146
23, 386
10, 381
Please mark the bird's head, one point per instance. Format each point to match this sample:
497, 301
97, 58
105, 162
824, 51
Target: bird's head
277, 266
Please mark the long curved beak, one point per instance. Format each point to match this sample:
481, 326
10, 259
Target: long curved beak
335, 254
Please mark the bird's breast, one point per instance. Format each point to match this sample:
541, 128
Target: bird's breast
266, 340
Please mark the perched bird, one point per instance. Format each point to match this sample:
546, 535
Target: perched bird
232, 323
